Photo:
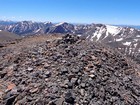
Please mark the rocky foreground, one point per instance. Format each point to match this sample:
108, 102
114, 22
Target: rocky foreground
67, 71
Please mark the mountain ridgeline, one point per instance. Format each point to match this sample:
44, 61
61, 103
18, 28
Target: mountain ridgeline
125, 39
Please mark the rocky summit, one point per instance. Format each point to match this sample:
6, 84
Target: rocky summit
66, 70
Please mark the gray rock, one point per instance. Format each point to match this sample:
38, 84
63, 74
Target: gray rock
2, 74
82, 92
64, 71
30, 69
10, 100
69, 98
47, 74
60, 101
73, 80
83, 85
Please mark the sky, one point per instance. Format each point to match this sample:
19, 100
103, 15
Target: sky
126, 12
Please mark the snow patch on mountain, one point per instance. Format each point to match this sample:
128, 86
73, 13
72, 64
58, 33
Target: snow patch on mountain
60, 23
138, 36
99, 33
127, 43
136, 40
47, 22
135, 45
96, 35
119, 39
132, 29
37, 30
112, 29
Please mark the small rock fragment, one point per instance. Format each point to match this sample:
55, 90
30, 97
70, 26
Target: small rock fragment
69, 98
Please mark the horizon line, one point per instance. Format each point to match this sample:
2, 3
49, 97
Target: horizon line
69, 22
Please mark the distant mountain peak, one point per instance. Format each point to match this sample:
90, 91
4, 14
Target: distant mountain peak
61, 23
48, 22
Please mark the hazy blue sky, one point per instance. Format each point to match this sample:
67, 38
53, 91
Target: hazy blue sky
77, 11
